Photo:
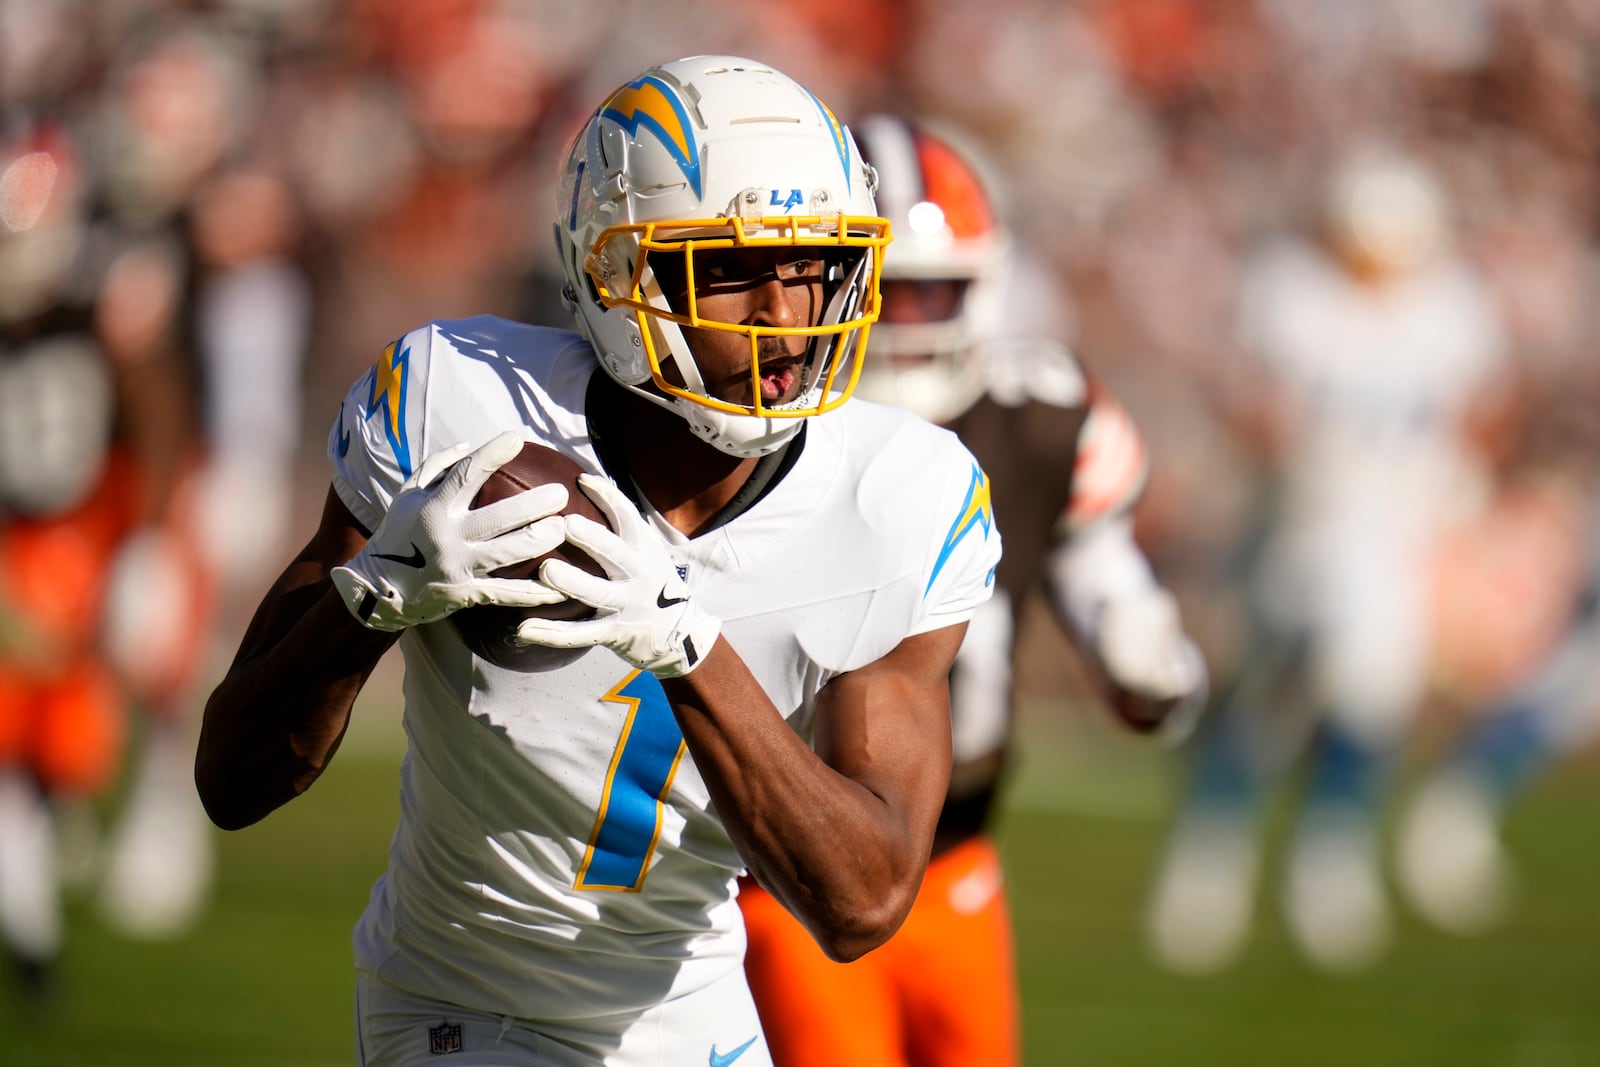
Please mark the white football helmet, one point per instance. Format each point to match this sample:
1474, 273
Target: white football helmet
703, 154
946, 231
1384, 211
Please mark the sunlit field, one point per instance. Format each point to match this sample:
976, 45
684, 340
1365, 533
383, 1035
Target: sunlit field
266, 979
1081, 844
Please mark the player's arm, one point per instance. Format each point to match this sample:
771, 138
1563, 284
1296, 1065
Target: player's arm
1129, 629
135, 320
1105, 592
841, 835
277, 717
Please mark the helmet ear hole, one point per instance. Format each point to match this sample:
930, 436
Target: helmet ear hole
578, 290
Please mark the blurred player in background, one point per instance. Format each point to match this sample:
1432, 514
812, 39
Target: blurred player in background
1067, 467
1376, 364
561, 884
152, 328
101, 594
205, 233
169, 111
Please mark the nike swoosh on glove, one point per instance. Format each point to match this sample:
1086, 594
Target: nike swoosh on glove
643, 610
432, 552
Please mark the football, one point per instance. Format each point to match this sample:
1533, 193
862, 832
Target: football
489, 629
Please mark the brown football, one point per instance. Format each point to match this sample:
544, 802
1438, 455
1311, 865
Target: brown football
489, 629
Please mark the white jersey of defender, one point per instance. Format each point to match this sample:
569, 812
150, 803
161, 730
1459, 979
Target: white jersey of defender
1381, 380
557, 856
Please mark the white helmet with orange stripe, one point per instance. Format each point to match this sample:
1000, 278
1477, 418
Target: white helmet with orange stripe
941, 287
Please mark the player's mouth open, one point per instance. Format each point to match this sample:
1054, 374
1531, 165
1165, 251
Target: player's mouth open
780, 380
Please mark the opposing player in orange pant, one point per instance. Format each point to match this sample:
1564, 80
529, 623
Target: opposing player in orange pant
1066, 466
103, 593
61, 711
942, 991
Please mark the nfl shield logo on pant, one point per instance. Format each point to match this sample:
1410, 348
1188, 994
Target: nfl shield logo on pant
444, 1038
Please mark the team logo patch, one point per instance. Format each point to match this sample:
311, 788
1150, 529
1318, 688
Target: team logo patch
977, 512
386, 396
650, 103
444, 1038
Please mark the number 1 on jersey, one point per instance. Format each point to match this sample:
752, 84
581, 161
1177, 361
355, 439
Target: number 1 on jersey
641, 772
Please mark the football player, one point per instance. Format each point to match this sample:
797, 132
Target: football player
764, 683
101, 602
1375, 359
1067, 466
209, 350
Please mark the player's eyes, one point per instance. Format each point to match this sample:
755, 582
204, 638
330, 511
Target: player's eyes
737, 269
803, 269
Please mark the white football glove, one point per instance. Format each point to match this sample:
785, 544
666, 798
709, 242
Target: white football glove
643, 611
432, 553
1160, 673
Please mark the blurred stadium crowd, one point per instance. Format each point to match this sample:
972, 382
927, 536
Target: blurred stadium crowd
259, 194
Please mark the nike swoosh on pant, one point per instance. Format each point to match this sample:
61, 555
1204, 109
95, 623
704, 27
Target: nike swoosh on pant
723, 1059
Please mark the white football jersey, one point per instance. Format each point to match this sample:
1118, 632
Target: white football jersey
557, 856
1383, 380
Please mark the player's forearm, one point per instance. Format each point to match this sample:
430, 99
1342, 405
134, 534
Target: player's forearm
276, 719
837, 854
1092, 567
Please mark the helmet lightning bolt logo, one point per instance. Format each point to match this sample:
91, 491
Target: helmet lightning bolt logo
388, 395
651, 103
976, 512
841, 143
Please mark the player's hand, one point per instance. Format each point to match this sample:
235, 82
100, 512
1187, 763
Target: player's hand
148, 618
643, 611
431, 554
1159, 676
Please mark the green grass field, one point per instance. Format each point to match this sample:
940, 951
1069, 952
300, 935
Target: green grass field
266, 979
